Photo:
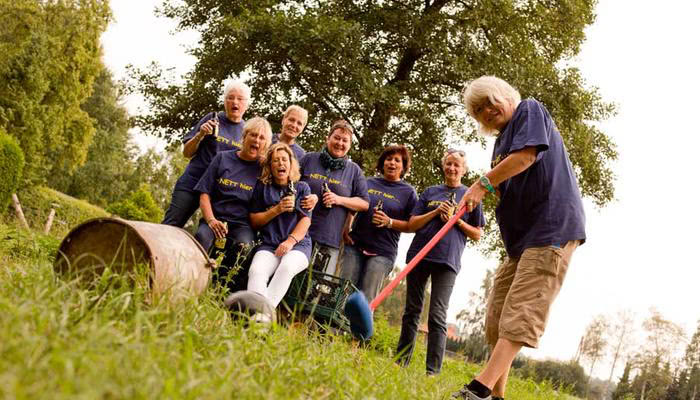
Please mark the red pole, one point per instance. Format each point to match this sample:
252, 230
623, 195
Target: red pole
425, 250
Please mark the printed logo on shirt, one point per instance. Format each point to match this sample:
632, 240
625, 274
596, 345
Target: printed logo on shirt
379, 193
325, 178
497, 160
228, 182
228, 141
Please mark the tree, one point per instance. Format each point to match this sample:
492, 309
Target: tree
394, 70
105, 176
624, 387
139, 206
595, 342
620, 338
51, 55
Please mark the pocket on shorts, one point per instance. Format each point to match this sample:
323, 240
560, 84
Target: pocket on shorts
549, 260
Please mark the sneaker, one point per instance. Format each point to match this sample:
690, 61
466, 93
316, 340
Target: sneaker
262, 318
466, 394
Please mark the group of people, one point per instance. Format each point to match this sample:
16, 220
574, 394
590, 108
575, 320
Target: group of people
303, 208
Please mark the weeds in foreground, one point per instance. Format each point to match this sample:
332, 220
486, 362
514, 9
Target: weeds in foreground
60, 338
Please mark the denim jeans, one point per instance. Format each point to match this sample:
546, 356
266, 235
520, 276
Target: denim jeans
324, 258
442, 279
239, 239
366, 272
182, 205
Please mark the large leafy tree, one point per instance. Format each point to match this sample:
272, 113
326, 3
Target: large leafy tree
393, 69
51, 55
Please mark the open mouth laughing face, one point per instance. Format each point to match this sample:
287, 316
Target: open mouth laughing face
393, 167
254, 144
338, 143
235, 104
280, 166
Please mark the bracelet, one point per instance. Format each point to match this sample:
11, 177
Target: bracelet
486, 184
391, 222
209, 221
293, 238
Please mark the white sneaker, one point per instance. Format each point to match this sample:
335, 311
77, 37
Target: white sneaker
467, 394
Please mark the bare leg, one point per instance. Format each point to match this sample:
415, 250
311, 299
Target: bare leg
495, 375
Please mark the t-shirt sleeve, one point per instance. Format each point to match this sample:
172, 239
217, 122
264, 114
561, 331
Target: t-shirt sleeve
530, 127
208, 180
421, 206
359, 186
257, 200
189, 135
410, 205
303, 190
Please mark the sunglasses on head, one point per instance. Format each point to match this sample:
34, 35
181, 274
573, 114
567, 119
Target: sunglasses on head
452, 151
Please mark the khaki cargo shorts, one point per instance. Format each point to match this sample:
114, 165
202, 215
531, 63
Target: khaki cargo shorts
523, 291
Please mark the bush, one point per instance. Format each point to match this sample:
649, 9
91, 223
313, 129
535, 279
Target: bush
11, 166
37, 202
140, 206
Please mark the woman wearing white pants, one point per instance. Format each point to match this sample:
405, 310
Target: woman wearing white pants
283, 225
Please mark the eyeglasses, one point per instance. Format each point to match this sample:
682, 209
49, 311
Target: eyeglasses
237, 98
460, 152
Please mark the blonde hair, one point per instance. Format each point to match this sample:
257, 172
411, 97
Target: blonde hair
294, 174
260, 125
495, 90
299, 109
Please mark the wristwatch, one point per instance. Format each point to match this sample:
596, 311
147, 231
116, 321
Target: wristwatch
486, 184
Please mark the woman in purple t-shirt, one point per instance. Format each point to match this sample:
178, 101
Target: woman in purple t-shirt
371, 246
435, 206
283, 225
225, 192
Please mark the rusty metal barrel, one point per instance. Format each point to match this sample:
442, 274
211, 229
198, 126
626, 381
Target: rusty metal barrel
178, 265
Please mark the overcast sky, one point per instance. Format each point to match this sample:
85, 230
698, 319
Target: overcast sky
641, 54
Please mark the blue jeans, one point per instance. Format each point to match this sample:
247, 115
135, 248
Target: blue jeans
182, 205
442, 279
239, 244
366, 272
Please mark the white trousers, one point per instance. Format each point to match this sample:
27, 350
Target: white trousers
266, 264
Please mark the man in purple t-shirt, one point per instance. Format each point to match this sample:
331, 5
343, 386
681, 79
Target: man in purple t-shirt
540, 215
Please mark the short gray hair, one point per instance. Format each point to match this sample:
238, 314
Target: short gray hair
457, 154
240, 85
493, 89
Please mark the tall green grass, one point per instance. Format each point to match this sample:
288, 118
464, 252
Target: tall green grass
60, 338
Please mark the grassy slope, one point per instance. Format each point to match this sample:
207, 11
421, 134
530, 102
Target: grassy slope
61, 340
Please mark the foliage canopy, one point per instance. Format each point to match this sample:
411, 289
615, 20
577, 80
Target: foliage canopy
394, 70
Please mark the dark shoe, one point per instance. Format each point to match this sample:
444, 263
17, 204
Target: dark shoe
465, 393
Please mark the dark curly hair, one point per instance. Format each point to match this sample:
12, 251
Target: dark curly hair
392, 149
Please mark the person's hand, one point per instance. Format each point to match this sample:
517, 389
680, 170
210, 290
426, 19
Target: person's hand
346, 237
446, 211
309, 202
330, 199
284, 247
286, 204
207, 128
219, 228
473, 197
380, 219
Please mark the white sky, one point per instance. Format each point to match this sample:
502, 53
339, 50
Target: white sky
640, 54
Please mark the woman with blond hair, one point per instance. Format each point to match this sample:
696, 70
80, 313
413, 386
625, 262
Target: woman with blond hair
225, 192
540, 216
282, 223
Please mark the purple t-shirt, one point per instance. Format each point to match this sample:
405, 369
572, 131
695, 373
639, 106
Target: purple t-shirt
299, 153
542, 205
279, 228
229, 138
230, 181
449, 249
327, 223
398, 199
